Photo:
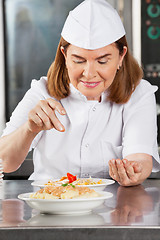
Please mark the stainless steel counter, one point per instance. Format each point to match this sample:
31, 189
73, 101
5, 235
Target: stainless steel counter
132, 213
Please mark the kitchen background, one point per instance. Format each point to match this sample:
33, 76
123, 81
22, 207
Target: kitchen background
29, 35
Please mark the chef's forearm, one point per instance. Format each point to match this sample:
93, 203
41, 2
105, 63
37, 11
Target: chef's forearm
14, 147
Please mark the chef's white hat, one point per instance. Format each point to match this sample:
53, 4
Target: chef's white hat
93, 24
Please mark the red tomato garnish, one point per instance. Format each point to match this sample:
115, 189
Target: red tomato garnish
71, 177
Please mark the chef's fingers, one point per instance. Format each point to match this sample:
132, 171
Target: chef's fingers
33, 117
129, 170
137, 167
55, 105
47, 124
56, 123
35, 123
124, 181
114, 170
50, 114
110, 169
133, 173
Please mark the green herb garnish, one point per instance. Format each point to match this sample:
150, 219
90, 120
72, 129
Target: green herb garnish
65, 184
72, 185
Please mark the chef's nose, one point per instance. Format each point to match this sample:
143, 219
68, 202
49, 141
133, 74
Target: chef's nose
89, 71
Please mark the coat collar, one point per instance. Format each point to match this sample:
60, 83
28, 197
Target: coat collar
75, 93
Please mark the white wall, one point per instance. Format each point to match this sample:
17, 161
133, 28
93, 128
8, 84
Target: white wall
2, 82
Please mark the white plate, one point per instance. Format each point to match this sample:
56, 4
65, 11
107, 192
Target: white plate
97, 187
65, 206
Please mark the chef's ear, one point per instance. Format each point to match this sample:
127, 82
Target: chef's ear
122, 55
62, 51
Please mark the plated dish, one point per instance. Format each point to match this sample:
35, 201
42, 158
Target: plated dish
64, 192
66, 206
95, 183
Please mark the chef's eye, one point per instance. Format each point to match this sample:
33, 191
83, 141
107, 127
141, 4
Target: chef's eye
103, 62
78, 61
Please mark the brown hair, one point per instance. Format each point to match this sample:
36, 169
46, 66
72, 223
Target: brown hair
124, 83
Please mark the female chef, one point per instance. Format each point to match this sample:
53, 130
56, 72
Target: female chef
92, 115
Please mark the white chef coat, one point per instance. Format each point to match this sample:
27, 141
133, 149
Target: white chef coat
95, 132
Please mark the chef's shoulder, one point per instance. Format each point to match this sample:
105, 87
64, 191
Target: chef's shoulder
142, 93
39, 88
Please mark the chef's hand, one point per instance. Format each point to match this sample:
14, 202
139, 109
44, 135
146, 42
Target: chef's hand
43, 117
126, 173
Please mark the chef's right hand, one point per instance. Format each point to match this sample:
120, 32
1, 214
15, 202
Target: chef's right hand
43, 117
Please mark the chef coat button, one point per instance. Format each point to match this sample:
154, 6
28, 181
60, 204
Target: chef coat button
94, 109
87, 145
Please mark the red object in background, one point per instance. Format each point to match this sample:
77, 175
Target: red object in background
71, 177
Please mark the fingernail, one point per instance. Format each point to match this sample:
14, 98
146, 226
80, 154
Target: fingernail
61, 128
118, 162
63, 111
125, 161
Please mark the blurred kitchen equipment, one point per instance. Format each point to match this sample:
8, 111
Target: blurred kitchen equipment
150, 42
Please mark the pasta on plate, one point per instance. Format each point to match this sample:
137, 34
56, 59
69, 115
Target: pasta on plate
64, 192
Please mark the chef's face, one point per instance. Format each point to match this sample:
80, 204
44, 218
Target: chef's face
93, 71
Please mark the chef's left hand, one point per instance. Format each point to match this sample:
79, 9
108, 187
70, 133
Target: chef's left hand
126, 173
